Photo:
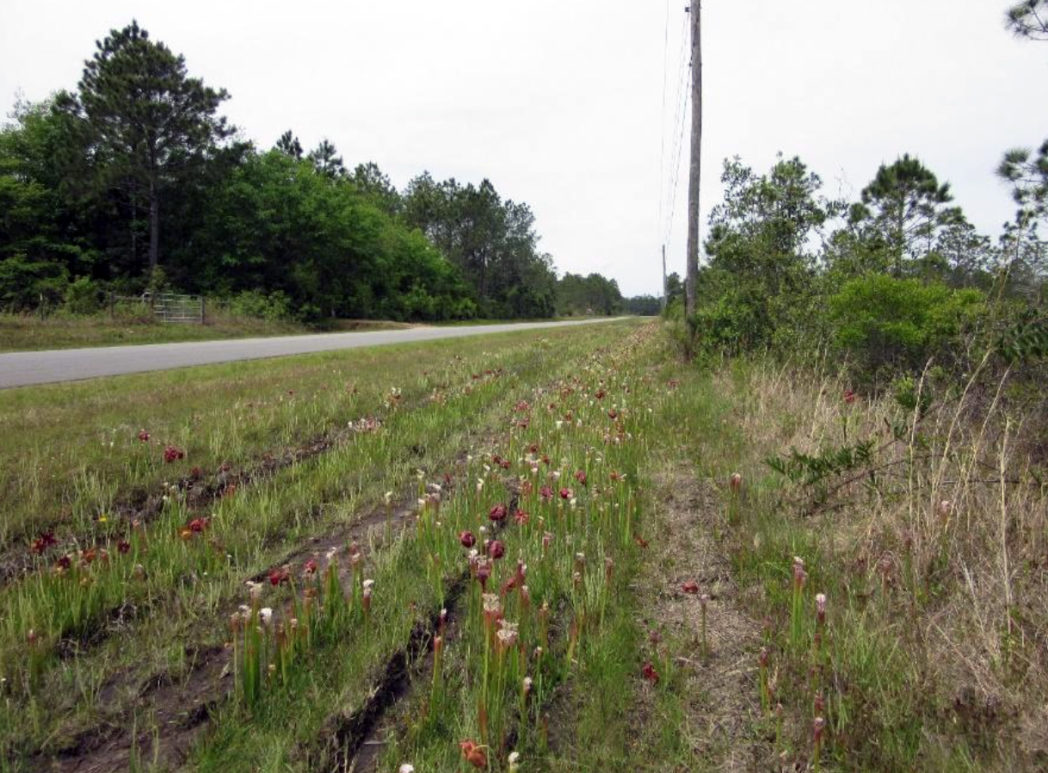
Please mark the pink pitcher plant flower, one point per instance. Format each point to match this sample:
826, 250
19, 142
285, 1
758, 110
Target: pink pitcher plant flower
483, 573
547, 540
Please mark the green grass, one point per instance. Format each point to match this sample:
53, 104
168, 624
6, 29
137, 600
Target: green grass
602, 410
438, 417
23, 332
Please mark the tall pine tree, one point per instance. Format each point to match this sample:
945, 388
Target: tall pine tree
149, 120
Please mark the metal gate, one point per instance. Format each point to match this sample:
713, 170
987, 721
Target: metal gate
170, 307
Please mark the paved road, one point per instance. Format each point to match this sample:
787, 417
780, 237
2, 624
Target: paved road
25, 368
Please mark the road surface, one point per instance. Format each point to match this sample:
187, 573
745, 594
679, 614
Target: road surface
26, 368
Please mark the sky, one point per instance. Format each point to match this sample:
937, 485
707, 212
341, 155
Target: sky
574, 106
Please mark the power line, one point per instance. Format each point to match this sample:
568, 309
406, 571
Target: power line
680, 117
662, 113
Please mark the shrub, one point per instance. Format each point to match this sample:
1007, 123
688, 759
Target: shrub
273, 306
887, 324
83, 296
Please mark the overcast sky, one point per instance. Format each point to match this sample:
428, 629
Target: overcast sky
561, 102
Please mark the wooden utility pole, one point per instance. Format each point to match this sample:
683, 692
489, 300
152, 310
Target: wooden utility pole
665, 294
696, 158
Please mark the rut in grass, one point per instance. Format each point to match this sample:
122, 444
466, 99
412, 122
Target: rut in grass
200, 490
353, 743
711, 655
180, 710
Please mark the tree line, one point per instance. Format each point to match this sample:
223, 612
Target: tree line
134, 180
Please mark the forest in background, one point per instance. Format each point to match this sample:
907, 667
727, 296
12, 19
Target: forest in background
135, 182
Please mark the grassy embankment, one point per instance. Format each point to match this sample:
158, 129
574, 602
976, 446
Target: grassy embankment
601, 467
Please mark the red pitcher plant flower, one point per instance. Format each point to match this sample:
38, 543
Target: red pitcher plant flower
173, 454
691, 587
474, 754
280, 576
466, 539
648, 672
498, 513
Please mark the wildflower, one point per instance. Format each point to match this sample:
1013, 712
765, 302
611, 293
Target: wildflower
690, 586
355, 556
735, 482
139, 572
143, 436
365, 598
123, 546
648, 672
514, 762
173, 454
197, 525
547, 540
43, 542
520, 516
254, 590
580, 476
546, 493
483, 573
492, 608
407, 767
566, 493
820, 607
279, 576
527, 684
799, 575
496, 549
467, 539
474, 754
266, 616
498, 513
310, 567
506, 637
944, 508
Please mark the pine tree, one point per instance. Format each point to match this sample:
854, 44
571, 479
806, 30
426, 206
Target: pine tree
148, 119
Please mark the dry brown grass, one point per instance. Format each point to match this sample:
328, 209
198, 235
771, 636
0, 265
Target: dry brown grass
940, 542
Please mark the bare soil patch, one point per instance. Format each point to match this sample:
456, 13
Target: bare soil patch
719, 681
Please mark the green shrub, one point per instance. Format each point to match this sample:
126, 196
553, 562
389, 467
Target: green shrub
273, 306
889, 325
83, 296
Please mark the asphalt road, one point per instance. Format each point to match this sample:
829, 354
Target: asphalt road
26, 368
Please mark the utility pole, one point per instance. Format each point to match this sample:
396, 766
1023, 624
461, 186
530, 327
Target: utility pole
696, 158
665, 294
